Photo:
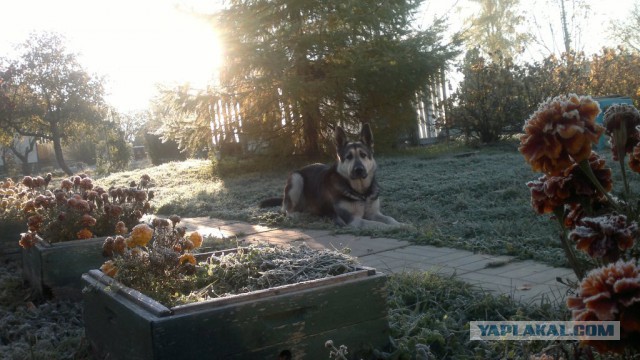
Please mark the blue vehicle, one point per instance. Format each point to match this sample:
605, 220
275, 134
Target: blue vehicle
604, 103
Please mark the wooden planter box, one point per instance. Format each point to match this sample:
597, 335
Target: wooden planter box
350, 309
9, 237
59, 266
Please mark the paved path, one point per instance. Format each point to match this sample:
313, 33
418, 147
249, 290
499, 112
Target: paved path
527, 281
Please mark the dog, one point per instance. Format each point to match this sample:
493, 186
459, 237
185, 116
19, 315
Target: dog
345, 191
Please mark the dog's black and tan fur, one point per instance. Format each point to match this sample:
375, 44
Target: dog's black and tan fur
346, 191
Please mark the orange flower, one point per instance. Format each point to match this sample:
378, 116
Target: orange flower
84, 234
187, 258
560, 133
611, 293
109, 268
140, 235
196, 239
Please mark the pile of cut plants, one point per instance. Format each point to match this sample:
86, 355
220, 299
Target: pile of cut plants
163, 262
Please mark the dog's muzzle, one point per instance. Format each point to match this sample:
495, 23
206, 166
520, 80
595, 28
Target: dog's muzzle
358, 172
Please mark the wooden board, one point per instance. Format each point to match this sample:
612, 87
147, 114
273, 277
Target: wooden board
10, 237
349, 310
60, 265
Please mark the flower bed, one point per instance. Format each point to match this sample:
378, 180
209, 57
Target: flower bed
297, 319
52, 267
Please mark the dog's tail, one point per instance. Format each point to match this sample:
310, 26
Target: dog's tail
271, 202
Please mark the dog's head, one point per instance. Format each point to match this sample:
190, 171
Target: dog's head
355, 158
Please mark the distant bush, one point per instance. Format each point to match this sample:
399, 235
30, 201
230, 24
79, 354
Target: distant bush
162, 151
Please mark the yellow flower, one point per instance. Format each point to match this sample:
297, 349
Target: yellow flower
187, 258
84, 234
109, 268
140, 235
196, 239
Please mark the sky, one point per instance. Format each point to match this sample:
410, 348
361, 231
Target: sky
136, 44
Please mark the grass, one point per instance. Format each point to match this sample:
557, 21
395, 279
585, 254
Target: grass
468, 198
453, 195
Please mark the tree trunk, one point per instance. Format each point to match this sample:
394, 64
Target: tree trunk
310, 131
57, 148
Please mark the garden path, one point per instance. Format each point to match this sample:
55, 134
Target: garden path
526, 281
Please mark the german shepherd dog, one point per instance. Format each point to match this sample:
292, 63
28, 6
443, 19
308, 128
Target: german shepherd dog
346, 191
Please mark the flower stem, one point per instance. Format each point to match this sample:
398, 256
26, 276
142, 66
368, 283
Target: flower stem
619, 141
566, 246
586, 169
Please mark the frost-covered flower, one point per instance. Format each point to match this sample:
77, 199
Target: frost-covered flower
604, 237
560, 133
611, 293
196, 239
620, 122
109, 268
572, 186
140, 235
27, 240
84, 234
87, 220
187, 258
121, 228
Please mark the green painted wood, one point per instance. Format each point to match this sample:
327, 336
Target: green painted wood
353, 311
60, 265
9, 237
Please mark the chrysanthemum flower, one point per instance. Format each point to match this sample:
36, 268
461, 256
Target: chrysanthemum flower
109, 268
27, 240
121, 228
87, 220
107, 247
174, 219
196, 239
84, 234
604, 237
119, 245
66, 185
140, 235
620, 122
187, 258
572, 186
634, 159
560, 133
611, 293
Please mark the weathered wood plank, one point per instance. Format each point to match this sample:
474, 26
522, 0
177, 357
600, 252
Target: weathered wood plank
352, 312
48, 266
9, 237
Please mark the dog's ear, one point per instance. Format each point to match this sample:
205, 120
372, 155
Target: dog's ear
340, 136
366, 136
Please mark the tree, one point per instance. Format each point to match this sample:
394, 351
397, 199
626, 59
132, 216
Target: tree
54, 96
495, 29
558, 26
628, 31
294, 69
489, 102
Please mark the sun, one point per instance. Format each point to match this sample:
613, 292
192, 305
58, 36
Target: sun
193, 52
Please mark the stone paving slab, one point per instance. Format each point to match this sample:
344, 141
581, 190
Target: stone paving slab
523, 280
360, 246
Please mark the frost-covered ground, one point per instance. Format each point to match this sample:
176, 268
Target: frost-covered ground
32, 329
